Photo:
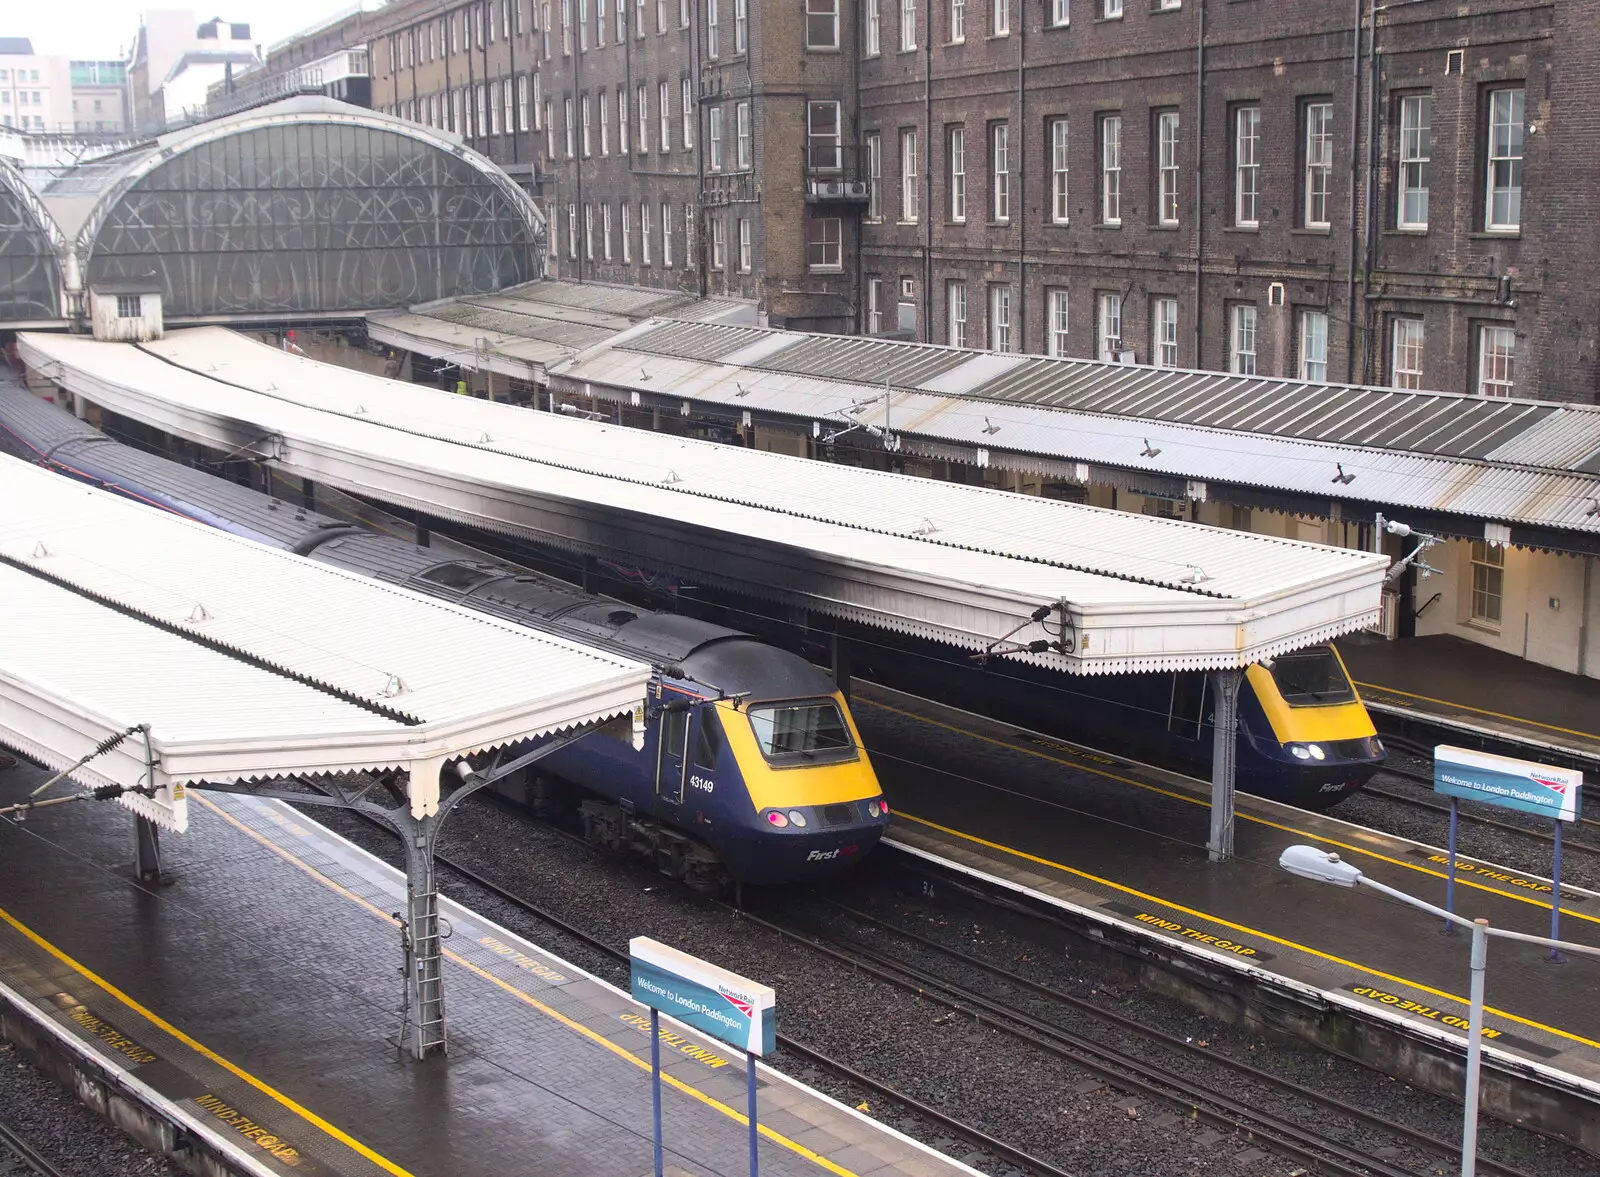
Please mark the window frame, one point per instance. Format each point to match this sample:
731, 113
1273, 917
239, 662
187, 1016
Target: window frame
1168, 145
874, 148
1110, 155
910, 209
743, 138
1316, 205
1248, 113
1164, 332
1000, 324
1058, 321
817, 235
1305, 337
833, 157
1108, 317
908, 26
745, 248
1239, 314
1413, 158
956, 162
714, 159
1060, 165
872, 38
1506, 378
1486, 564
644, 234
955, 312
1000, 172
958, 22
828, 12
1402, 347
999, 18
1515, 164
1111, 9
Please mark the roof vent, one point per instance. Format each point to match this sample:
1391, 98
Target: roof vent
1275, 294
395, 686
198, 614
40, 551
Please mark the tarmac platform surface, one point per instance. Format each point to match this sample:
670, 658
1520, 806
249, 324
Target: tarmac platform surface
1127, 843
1472, 688
260, 992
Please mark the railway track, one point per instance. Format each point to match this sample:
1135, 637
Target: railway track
1315, 1152
1208, 1102
19, 1159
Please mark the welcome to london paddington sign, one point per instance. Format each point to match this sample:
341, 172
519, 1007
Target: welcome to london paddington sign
709, 998
1513, 784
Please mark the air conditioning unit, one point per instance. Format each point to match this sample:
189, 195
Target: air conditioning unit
827, 188
1275, 294
857, 189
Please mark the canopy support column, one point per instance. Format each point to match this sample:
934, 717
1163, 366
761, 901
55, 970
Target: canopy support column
422, 1011
1224, 759
146, 850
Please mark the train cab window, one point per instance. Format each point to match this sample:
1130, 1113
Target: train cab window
1311, 678
674, 732
793, 732
1188, 704
708, 741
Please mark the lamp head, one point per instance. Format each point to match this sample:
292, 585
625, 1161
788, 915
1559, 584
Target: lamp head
1318, 865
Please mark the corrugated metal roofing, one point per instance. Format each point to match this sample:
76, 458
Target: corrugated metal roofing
699, 341
445, 681
1043, 438
1445, 424
964, 564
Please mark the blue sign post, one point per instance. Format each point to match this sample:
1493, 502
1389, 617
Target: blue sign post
725, 1005
1552, 792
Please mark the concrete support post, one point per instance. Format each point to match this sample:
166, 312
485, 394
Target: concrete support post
146, 850
1224, 756
424, 994
839, 659
308, 494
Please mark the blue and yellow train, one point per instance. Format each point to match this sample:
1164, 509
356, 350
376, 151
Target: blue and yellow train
752, 768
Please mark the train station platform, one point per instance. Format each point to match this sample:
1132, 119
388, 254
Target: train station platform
1444, 682
1118, 850
251, 996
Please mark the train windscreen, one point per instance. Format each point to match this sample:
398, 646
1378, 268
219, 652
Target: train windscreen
1312, 678
804, 731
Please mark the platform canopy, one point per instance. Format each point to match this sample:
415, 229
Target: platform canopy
1105, 591
250, 663
525, 330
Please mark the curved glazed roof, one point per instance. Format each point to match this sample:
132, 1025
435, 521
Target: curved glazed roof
81, 196
30, 251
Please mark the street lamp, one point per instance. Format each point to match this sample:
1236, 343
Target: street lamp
1318, 865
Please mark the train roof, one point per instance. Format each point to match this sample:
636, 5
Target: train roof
36, 429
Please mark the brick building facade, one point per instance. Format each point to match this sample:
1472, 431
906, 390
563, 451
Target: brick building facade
1188, 181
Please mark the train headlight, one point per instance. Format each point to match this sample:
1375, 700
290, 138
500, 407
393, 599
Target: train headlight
1375, 746
1299, 752
1316, 752
797, 818
775, 818
874, 809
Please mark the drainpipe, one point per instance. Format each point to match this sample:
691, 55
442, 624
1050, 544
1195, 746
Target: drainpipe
1583, 621
1199, 172
1022, 186
1370, 227
925, 332
1355, 145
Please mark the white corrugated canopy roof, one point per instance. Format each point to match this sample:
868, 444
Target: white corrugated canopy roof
249, 662
962, 564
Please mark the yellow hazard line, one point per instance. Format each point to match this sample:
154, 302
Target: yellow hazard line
205, 1051
1518, 719
1237, 927
1349, 847
526, 998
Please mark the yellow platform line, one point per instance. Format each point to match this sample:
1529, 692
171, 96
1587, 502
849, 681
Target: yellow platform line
1237, 927
205, 1051
1352, 847
528, 999
1566, 731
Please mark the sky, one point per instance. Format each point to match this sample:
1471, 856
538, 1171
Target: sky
95, 30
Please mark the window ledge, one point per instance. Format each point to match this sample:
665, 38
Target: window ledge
1241, 228
954, 44
1006, 36
1495, 235
819, 49
1488, 627
908, 222
825, 269
1312, 231
1101, 20
1108, 224
1164, 228
1407, 231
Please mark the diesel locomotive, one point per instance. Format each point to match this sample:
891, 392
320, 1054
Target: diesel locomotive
752, 768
